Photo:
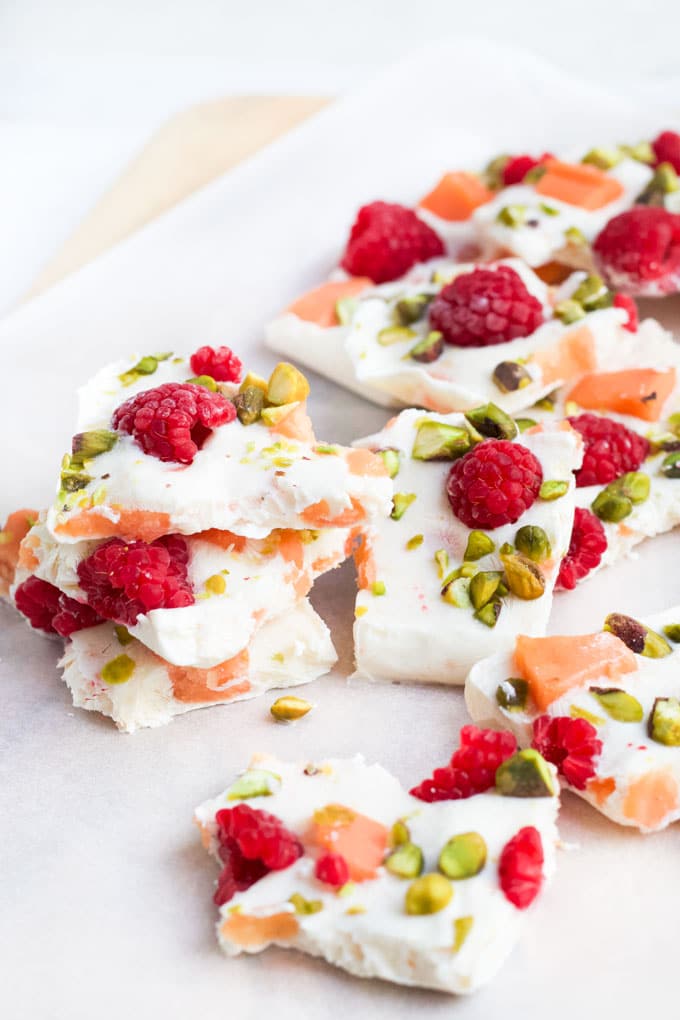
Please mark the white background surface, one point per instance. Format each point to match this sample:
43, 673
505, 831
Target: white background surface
105, 891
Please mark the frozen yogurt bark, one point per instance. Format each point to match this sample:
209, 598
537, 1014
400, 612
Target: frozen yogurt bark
342, 863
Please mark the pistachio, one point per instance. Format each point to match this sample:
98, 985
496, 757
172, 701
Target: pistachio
546, 403
406, 861
523, 577
87, 445
254, 783
118, 670
391, 458
592, 293
303, 906
664, 722
334, 814
525, 423
618, 704
549, 210
510, 376
72, 480
456, 591
553, 489
525, 774
463, 856
378, 588
642, 152
664, 182
488, 614
399, 833
478, 544
409, 309
428, 894
493, 172
216, 584
253, 379
636, 636
345, 309
604, 158
122, 634
512, 694
441, 558
534, 175
275, 415
574, 236
462, 926
512, 215
507, 549
569, 311
672, 632
287, 385
436, 440
249, 403
533, 542
401, 501
608, 506
617, 500
634, 485
674, 423
491, 422
414, 542
670, 466
395, 335
483, 587
289, 708
206, 381
429, 348
145, 366
581, 713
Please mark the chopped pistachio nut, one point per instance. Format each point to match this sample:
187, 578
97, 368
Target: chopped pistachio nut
456, 591
254, 783
324, 448
462, 926
533, 542
547, 403
512, 694
581, 713
617, 500
569, 311
491, 422
592, 293
523, 577
410, 309
664, 182
401, 501
87, 445
253, 379
483, 587
463, 856
123, 634
488, 614
303, 906
609, 506
249, 403
441, 558
391, 458
118, 670
378, 588
512, 215
345, 309
405, 861
360, 611
478, 544
429, 348
525, 774
275, 415
395, 335
664, 722
636, 636
604, 157
436, 440
493, 172
670, 466
674, 423
287, 385
206, 381
525, 423
642, 152
549, 210
672, 632
428, 894
553, 489
145, 366
399, 834
73, 478
216, 584
618, 704
510, 376
414, 542
575, 236
289, 708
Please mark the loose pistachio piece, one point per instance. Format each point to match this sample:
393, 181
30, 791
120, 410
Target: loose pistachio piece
569, 311
493, 172
275, 415
122, 634
206, 381
249, 403
525, 423
399, 833
664, 722
253, 379
287, 385
581, 713
435, 440
512, 215
72, 478
87, 445
379, 588
609, 506
428, 894
672, 632
576, 237
636, 636
303, 906
345, 309
674, 423
483, 587
216, 584
664, 182
429, 348
670, 466
510, 376
488, 614
533, 542
491, 422
463, 856
441, 558
604, 157
553, 489
462, 926
406, 861
642, 152
512, 694
409, 309
289, 708
118, 670
478, 544
391, 458
254, 783
395, 335
634, 485
592, 293
145, 366
415, 542
525, 774
523, 577
618, 704
401, 501
456, 591
549, 210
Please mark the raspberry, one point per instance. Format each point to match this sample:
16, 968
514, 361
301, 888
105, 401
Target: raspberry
48, 609
219, 362
610, 449
570, 744
251, 844
123, 580
517, 167
472, 768
667, 149
626, 302
586, 547
493, 484
173, 421
638, 251
484, 307
332, 869
520, 867
386, 240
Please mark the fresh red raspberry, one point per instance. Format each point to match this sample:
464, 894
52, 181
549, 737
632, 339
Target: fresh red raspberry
587, 546
517, 167
219, 362
570, 744
74, 616
173, 421
610, 449
626, 302
386, 240
251, 844
493, 484
638, 251
485, 307
332, 869
50, 610
123, 580
666, 148
472, 768
520, 867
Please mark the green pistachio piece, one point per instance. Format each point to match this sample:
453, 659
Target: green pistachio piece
592, 293
478, 544
206, 381
118, 670
637, 637
546, 403
249, 403
287, 385
253, 379
525, 423
414, 542
553, 489
436, 440
488, 614
491, 422
303, 906
429, 348
401, 501
664, 722
483, 587
604, 158
507, 549
523, 577
216, 584
525, 774
123, 634
512, 215
510, 376
512, 694
410, 309
549, 210
574, 236
288, 708
428, 894
534, 175
642, 152
670, 466
664, 182
672, 632
463, 856
493, 172
391, 459
87, 445
406, 861
394, 335
72, 480
634, 485
441, 558
399, 833
569, 311
254, 783
345, 309
674, 423
456, 591
533, 542
378, 588
618, 704
581, 713
608, 506
462, 926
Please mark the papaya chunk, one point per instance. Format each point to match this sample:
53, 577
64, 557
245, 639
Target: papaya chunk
650, 798
359, 839
579, 184
571, 356
319, 305
456, 196
641, 392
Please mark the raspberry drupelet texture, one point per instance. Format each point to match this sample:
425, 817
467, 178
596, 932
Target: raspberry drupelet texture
493, 484
332, 869
666, 148
50, 610
485, 307
586, 548
570, 744
626, 302
251, 844
123, 580
387, 240
610, 449
520, 867
638, 251
472, 768
172, 421
517, 167
219, 362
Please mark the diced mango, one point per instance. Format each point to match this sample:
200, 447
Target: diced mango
651, 798
641, 392
456, 196
359, 839
15, 530
579, 184
319, 305
147, 525
571, 356
194, 686
251, 932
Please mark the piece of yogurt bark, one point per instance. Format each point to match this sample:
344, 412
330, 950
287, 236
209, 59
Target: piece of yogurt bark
109, 672
251, 479
237, 585
424, 893
604, 707
436, 595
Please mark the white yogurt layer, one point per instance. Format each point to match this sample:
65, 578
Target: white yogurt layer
364, 928
294, 648
410, 633
637, 779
